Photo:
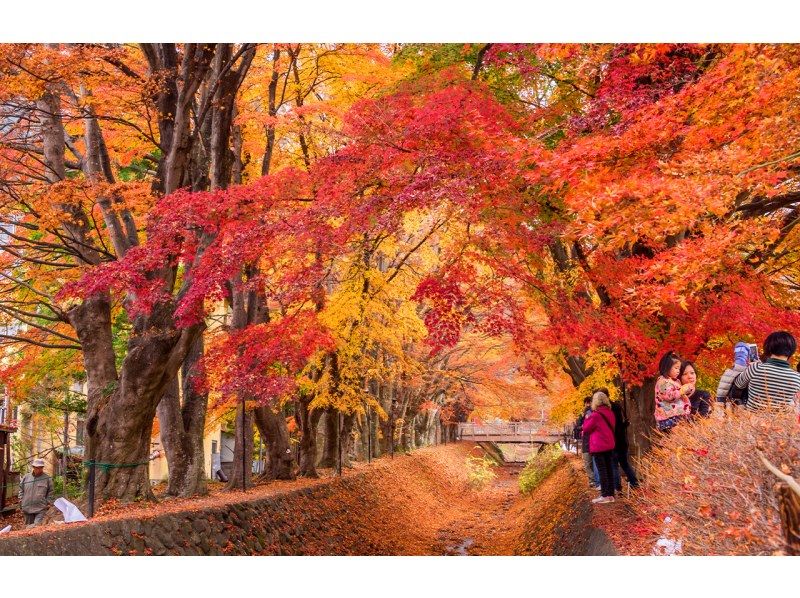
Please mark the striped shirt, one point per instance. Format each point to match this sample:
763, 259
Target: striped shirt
770, 384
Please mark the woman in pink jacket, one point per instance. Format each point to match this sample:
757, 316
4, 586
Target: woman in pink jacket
599, 426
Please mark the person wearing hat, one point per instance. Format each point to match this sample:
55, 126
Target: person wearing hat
36, 493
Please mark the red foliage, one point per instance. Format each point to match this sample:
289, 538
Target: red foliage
263, 360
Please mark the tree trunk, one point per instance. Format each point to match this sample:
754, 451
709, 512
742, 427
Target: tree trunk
346, 438
308, 421
125, 424
374, 425
330, 452
92, 323
272, 107
242, 464
272, 427
182, 428
639, 403
388, 426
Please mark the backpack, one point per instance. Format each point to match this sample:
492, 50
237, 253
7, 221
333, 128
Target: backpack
736, 395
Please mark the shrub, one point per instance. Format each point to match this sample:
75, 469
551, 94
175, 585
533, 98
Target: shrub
539, 466
707, 476
480, 471
73, 491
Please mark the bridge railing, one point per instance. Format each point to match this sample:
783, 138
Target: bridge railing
472, 430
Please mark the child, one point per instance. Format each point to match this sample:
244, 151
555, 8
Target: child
672, 404
741, 359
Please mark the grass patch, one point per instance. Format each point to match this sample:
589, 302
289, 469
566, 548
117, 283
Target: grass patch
480, 471
539, 466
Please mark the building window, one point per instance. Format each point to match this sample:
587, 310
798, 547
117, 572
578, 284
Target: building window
213, 447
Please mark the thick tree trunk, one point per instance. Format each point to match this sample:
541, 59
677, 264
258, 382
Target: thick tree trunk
92, 323
242, 464
389, 425
272, 427
346, 438
308, 421
182, 428
639, 403
53, 140
374, 426
403, 424
330, 452
125, 423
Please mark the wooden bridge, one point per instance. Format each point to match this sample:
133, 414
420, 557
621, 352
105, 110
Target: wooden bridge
530, 432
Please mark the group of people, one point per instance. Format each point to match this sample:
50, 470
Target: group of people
602, 428
768, 383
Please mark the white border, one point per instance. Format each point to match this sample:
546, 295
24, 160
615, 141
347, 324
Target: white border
400, 20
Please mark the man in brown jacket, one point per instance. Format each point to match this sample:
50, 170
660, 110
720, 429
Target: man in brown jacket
36, 493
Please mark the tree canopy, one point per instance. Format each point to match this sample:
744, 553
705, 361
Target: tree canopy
409, 229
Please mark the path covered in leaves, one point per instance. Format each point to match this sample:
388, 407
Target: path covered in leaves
488, 522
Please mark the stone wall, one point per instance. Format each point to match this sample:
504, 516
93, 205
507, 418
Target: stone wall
282, 524
370, 512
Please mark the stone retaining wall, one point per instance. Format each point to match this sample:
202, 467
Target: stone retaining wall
276, 525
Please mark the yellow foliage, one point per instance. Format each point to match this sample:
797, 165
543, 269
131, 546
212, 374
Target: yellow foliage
604, 371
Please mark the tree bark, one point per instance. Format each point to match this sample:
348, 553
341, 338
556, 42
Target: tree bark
92, 323
346, 439
242, 464
266, 163
639, 403
228, 80
155, 352
182, 427
272, 427
307, 421
330, 452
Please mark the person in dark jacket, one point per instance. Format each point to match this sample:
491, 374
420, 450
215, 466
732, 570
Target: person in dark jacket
700, 400
588, 462
599, 426
621, 449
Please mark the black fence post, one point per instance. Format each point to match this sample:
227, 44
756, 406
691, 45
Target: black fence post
91, 488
